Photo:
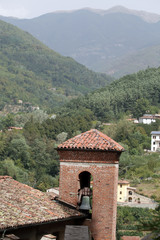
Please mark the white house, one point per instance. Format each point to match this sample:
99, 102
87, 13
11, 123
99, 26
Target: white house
155, 141
147, 119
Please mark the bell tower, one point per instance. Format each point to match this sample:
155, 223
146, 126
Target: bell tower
89, 167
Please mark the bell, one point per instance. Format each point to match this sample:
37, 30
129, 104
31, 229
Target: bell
85, 205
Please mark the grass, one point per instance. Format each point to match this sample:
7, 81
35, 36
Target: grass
150, 189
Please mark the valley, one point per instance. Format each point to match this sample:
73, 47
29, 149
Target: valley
92, 71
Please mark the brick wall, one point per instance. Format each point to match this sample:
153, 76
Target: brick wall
103, 166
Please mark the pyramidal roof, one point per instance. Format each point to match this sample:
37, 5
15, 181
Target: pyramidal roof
91, 140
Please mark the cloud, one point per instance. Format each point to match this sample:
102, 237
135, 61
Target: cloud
14, 12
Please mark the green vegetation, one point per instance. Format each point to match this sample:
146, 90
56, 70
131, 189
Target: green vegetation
152, 223
30, 155
129, 219
133, 94
117, 42
32, 149
33, 73
141, 167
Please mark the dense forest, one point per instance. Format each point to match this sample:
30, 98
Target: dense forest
29, 154
33, 73
133, 94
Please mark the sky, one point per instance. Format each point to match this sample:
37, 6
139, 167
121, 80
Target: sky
34, 8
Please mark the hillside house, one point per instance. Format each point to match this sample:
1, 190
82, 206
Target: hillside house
147, 119
127, 196
155, 141
125, 192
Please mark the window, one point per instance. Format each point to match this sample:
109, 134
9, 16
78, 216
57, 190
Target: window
154, 143
120, 192
120, 185
130, 192
154, 137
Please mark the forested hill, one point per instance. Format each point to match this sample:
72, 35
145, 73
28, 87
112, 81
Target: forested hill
135, 94
32, 72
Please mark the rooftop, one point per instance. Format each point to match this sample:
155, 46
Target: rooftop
91, 140
23, 205
122, 181
155, 132
148, 117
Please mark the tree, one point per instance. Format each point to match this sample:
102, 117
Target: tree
141, 107
152, 224
19, 150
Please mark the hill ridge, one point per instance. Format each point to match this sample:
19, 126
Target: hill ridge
32, 72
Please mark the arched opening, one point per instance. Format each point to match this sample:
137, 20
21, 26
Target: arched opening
129, 199
85, 192
85, 178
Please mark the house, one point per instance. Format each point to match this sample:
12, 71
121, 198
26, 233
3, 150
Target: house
30, 214
147, 119
127, 196
125, 192
155, 141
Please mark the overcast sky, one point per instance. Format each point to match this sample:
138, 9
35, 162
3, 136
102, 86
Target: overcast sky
34, 8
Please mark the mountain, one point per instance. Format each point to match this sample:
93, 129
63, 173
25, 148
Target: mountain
148, 17
97, 38
142, 59
129, 94
31, 72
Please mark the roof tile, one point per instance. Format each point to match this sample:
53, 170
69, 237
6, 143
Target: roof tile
22, 205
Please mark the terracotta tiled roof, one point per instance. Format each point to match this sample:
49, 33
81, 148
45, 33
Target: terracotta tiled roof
147, 117
92, 140
122, 181
130, 238
22, 205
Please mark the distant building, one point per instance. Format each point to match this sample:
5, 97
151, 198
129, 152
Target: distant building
125, 193
127, 196
14, 128
147, 119
134, 120
20, 101
155, 141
